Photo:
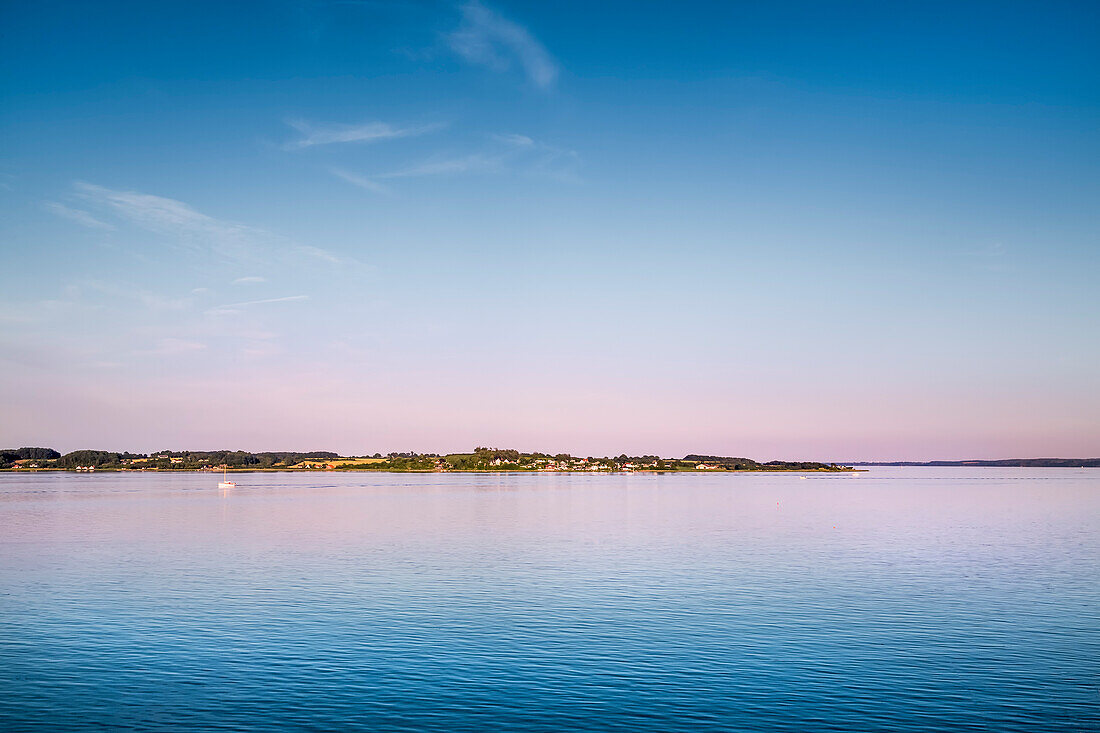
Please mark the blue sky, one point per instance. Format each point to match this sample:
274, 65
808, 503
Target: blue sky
836, 231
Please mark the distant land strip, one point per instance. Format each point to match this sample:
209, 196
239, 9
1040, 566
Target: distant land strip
1002, 463
480, 459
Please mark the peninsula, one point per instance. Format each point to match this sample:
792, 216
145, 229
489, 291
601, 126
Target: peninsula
480, 459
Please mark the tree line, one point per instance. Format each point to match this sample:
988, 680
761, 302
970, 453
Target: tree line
9, 456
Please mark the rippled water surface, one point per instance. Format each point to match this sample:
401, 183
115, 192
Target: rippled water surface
899, 599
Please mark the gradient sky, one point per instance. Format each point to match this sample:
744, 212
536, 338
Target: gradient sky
832, 231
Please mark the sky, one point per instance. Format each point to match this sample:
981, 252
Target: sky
821, 231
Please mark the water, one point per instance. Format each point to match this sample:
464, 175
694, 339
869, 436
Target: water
900, 599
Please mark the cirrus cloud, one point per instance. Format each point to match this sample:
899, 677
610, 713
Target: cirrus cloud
364, 132
185, 228
487, 38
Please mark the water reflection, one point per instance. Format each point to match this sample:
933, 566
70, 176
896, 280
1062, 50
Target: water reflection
901, 599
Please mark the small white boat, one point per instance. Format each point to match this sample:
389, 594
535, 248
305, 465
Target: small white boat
225, 483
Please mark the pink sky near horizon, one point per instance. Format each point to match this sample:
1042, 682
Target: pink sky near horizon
307, 413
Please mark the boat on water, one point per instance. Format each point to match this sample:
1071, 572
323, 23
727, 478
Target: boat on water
225, 483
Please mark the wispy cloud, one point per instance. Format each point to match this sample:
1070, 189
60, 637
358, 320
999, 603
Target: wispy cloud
559, 164
487, 38
326, 134
249, 279
542, 159
449, 166
80, 217
360, 181
431, 167
510, 153
518, 141
234, 308
172, 218
191, 230
322, 254
284, 299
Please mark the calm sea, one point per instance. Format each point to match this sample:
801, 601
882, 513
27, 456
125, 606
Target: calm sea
899, 599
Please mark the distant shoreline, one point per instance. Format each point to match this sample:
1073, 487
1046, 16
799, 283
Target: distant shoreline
480, 460
993, 463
